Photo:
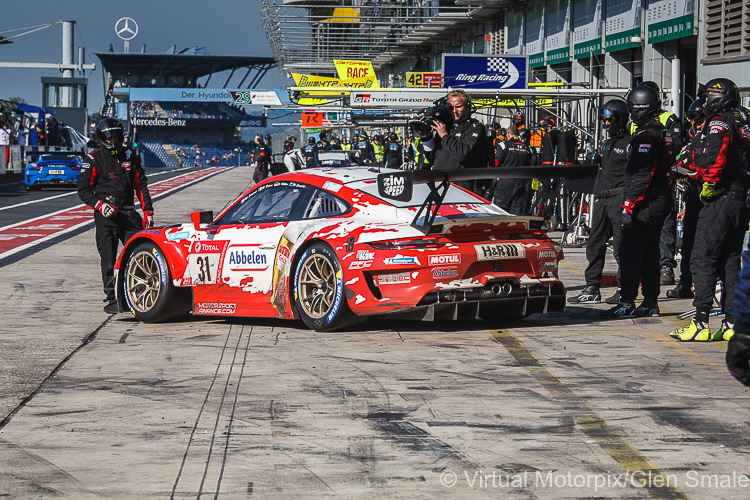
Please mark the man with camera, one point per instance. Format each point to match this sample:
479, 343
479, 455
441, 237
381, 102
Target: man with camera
459, 140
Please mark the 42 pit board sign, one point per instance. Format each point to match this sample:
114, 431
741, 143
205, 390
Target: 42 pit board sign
417, 79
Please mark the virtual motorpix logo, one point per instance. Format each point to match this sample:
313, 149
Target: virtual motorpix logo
477, 479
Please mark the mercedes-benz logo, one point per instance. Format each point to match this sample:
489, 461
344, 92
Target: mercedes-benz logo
126, 28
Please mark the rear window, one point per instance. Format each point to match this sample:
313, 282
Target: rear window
454, 196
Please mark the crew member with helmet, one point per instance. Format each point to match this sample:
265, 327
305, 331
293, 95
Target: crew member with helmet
378, 150
606, 222
647, 204
262, 157
685, 168
668, 241
111, 178
723, 220
289, 143
394, 152
510, 194
364, 150
310, 153
322, 145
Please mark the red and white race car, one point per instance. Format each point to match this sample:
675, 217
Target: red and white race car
329, 246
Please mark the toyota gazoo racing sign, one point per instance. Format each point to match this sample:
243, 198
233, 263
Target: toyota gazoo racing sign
485, 71
391, 99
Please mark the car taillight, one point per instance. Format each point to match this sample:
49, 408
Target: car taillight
541, 236
35, 168
408, 243
75, 168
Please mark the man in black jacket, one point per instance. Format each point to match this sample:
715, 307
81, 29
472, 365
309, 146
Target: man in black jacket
647, 204
510, 194
111, 177
462, 143
608, 201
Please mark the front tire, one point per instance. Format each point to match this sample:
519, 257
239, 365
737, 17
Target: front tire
319, 297
147, 285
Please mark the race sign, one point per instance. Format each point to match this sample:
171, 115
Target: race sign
414, 79
312, 119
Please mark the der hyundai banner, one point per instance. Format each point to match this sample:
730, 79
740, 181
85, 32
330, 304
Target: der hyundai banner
485, 71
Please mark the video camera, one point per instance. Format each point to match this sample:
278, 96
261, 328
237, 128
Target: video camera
440, 111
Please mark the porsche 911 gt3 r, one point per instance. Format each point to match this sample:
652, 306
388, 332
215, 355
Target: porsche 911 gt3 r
53, 169
331, 246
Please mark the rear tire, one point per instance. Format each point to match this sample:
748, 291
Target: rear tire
147, 286
319, 295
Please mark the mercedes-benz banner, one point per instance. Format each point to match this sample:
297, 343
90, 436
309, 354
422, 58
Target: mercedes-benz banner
485, 71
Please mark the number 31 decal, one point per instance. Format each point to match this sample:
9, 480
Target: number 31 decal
203, 268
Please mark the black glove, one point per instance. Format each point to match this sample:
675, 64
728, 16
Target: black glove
738, 357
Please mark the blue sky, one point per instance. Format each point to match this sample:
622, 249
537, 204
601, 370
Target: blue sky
226, 27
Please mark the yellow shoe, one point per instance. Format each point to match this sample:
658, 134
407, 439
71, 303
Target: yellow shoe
692, 333
726, 332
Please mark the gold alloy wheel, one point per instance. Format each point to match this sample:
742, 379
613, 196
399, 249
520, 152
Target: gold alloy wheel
143, 281
317, 286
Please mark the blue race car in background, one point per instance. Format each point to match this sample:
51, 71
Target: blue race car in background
53, 170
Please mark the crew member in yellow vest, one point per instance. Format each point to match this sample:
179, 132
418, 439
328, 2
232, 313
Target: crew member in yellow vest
378, 150
346, 145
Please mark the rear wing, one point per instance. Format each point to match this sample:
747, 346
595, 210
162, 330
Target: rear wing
399, 185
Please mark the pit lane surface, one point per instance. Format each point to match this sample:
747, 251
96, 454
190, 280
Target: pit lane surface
556, 406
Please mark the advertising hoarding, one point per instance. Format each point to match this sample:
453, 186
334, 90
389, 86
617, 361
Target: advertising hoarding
485, 71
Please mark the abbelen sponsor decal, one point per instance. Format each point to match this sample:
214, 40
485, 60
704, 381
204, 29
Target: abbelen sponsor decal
547, 254
215, 308
444, 272
497, 251
548, 266
247, 260
441, 260
393, 279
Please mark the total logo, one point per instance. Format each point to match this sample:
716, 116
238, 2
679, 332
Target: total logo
440, 260
207, 247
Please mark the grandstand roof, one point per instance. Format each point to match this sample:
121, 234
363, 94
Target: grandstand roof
179, 65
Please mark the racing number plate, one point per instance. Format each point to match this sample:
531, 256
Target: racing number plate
499, 251
203, 262
57, 172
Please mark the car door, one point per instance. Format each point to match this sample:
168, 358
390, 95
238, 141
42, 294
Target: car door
247, 237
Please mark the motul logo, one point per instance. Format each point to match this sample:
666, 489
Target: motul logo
439, 260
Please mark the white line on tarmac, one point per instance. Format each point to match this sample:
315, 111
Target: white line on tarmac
91, 221
75, 192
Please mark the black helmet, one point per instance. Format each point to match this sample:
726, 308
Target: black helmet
110, 133
649, 83
393, 137
718, 94
619, 110
695, 110
643, 103
743, 114
322, 136
311, 140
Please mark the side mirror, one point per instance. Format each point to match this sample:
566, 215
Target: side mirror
198, 218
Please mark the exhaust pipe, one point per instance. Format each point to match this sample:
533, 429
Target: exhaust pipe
504, 289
